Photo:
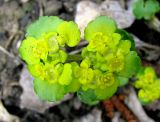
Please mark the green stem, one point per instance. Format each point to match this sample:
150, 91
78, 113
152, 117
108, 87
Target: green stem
76, 57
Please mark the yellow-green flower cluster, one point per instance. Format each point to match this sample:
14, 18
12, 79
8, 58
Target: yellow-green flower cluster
149, 85
44, 52
107, 62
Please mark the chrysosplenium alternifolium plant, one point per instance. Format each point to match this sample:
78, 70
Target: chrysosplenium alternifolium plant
107, 62
149, 85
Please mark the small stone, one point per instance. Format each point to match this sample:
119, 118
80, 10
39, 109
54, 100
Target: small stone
5, 116
88, 10
69, 5
77, 104
24, 1
52, 7
94, 116
124, 18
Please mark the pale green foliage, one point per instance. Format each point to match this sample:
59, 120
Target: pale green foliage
43, 51
43, 26
148, 85
106, 63
146, 8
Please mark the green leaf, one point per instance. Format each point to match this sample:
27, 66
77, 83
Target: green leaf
88, 97
106, 92
70, 33
42, 26
101, 24
138, 9
86, 75
122, 80
126, 36
63, 55
145, 8
74, 84
36, 70
48, 91
60, 56
32, 50
66, 75
131, 66
52, 42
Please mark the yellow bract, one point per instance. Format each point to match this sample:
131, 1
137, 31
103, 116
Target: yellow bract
32, 50
115, 63
51, 39
124, 47
104, 63
105, 80
66, 76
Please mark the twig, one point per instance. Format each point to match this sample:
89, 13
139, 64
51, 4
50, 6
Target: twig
13, 37
154, 23
75, 51
41, 12
133, 103
16, 60
80, 45
6, 52
140, 43
83, 43
109, 107
117, 103
126, 113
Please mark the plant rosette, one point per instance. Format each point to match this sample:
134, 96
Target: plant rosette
148, 84
105, 64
